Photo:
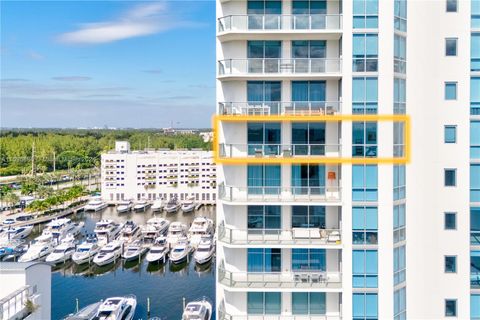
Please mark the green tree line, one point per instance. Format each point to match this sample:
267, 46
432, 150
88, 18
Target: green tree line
78, 149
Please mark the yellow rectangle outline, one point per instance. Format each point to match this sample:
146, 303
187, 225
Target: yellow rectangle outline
303, 118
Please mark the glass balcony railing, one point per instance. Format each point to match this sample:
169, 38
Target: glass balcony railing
267, 108
274, 22
233, 150
296, 236
280, 194
293, 279
278, 66
223, 315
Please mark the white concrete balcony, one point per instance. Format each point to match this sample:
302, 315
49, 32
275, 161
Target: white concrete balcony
328, 238
309, 279
278, 194
292, 108
279, 68
274, 26
232, 151
13, 306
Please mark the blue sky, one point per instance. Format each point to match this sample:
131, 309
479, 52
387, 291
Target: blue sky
107, 63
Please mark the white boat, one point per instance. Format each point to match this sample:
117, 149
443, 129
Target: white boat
129, 232
95, 204
157, 205
86, 251
39, 248
117, 308
134, 251
108, 254
158, 251
86, 313
60, 228
16, 233
200, 227
188, 205
154, 228
180, 251
172, 205
205, 250
176, 231
198, 310
63, 252
141, 205
125, 206
11, 249
106, 231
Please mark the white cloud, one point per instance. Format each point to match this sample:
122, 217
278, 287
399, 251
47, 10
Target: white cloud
72, 78
141, 20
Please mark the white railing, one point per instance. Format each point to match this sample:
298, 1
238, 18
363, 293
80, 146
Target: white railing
262, 108
13, 306
296, 236
222, 315
262, 66
238, 150
271, 22
279, 194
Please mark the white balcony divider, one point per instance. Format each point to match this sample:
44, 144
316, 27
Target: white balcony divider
280, 194
236, 150
263, 108
273, 66
296, 236
273, 22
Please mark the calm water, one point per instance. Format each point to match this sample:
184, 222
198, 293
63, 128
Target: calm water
165, 285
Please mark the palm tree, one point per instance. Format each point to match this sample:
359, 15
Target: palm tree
11, 199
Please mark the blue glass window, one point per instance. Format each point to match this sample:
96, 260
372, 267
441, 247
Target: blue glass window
308, 259
399, 223
264, 93
475, 51
400, 12
400, 54
452, 5
400, 304
451, 47
264, 138
313, 303
365, 14
475, 140
399, 182
450, 264
364, 139
365, 306
311, 49
450, 221
475, 306
475, 269
308, 179
365, 225
475, 183
264, 260
365, 183
475, 226
264, 56
365, 52
450, 177
450, 308
365, 268
263, 179
308, 96
308, 138
399, 265
450, 91
264, 217
264, 14
475, 96
264, 302
308, 217
450, 134
475, 14
364, 95
399, 98
309, 14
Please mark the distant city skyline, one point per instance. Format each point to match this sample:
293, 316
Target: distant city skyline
118, 64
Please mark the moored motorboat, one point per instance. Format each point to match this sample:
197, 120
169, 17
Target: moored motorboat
188, 205
201, 227
134, 251
62, 253
172, 205
154, 228
129, 232
14, 233
158, 251
95, 204
86, 251
176, 231
106, 230
108, 254
38, 249
141, 205
205, 250
11, 249
180, 251
117, 308
198, 310
86, 313
157, 205
125, 206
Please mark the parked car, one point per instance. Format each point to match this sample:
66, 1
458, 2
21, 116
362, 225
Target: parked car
23, 218
8, 221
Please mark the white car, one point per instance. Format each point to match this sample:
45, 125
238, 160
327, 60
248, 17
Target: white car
8, 221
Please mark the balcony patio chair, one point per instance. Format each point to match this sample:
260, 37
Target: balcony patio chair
315, 277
